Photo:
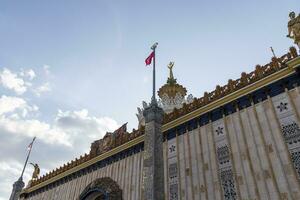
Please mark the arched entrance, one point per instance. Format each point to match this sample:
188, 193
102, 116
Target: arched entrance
102, 189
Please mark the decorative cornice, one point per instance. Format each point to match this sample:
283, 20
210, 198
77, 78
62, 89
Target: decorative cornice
220, 102
86, 164
262, 76
230, 89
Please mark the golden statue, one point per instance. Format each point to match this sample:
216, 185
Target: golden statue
36, 171
294, 28
170, 66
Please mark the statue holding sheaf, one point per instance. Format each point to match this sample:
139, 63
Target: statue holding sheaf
36, 171
170, 66
171, 79
294, 28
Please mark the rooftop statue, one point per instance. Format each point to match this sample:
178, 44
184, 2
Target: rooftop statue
171, 79
170, 66
36, 171
172, 95
140, 115
294, 28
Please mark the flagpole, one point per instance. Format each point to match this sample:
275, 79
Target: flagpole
153, 90
19, 184
31, 144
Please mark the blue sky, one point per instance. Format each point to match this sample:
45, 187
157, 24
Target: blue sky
88, 64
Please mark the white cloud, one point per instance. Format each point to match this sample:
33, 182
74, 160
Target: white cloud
68, 127
42, 89
12, 81
66, 136
10, 104
30, 74
9, 170
13, 113
46, 69
74, 129
80, 123
15, 105
34, 127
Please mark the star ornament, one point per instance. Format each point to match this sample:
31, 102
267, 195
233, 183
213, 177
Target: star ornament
219, 130
172, 149
282, 106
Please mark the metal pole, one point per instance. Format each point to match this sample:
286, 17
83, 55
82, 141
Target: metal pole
27, 158
153, 91
19, 184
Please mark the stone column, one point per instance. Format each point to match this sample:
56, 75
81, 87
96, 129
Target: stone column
17, 188
153, 171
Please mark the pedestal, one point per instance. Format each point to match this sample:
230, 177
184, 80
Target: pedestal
153, 170
17, 188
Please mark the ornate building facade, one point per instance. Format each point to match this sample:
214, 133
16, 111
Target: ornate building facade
240, 141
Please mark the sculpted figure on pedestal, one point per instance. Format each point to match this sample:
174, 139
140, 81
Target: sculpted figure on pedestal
294, 28
170, 66
36, 171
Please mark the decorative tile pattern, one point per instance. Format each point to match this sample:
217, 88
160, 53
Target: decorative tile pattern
289, 127
291, 133
223, 156
296, 161
228, 184
173, 170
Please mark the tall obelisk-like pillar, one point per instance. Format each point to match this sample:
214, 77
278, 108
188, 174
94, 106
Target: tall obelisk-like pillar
153, 171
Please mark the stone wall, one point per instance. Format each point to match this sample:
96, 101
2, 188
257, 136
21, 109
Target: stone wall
252, 153
125, 172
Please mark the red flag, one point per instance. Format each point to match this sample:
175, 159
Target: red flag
30, 145
149, 59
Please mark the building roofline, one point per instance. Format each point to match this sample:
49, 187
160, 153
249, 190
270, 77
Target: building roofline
276, 70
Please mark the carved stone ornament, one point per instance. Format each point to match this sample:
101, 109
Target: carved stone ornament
109, 141
102, 188
294, 28
140, 115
